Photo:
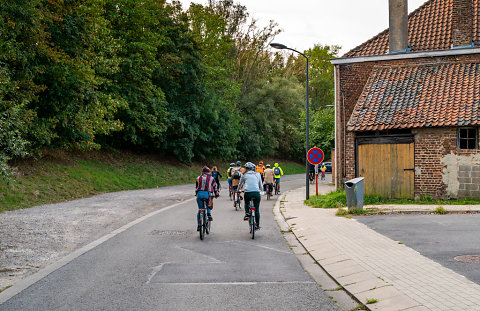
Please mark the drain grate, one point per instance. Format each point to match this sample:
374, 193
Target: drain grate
167, 232
468, 258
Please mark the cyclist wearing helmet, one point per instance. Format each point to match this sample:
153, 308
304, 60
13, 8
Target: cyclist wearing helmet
278, 172
252, 184
229, 174
260, 169
236, 175
205, 188
269, 176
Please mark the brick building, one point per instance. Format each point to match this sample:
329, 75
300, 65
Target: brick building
408, 104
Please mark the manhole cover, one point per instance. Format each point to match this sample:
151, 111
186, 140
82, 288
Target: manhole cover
468, 258
167, 232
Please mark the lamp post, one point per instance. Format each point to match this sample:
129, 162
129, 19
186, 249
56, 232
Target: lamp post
284, 47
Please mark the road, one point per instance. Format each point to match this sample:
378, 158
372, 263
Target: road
161, 264
438, 237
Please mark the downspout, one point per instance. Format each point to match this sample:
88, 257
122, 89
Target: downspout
344, 139
336, 140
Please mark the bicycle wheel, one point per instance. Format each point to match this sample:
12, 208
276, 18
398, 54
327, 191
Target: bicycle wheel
230, 194
252, 225
268, 194
202, 221
205, 220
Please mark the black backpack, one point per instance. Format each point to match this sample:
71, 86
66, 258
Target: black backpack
236, 174
276, 171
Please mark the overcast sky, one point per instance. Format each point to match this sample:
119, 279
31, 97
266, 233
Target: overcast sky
304, 23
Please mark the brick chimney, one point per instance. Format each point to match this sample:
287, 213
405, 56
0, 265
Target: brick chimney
398, 20
462, 23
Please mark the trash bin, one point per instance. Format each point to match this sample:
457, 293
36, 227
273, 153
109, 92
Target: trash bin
354, 192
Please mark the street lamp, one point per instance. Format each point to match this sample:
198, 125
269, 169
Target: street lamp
284, 47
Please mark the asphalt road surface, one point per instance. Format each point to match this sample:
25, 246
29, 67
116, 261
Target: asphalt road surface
161, 264
438, 237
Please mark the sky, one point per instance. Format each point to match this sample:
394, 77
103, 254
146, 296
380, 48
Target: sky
304, 23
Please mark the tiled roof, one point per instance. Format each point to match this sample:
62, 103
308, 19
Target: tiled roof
419, 96
429, 28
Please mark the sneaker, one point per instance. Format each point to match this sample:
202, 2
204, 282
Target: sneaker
210, 218
246, 217
257, 227
198, 228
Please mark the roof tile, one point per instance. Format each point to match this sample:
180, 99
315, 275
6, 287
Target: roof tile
443, 94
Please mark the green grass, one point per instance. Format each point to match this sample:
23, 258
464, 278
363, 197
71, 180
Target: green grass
336, 199
61, 176
372, 300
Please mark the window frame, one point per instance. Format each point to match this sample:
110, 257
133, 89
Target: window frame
459, 139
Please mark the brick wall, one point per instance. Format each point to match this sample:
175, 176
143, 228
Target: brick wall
431, 145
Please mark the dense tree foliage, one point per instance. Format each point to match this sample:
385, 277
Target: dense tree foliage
150, 76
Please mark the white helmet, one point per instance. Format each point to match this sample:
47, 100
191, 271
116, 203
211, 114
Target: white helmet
250, 166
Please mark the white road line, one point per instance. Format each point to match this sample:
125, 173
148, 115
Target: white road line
29, 281
240, 283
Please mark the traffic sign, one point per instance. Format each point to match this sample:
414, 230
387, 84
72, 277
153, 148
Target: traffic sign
315, 155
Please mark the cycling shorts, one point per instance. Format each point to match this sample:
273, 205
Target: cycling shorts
277, 180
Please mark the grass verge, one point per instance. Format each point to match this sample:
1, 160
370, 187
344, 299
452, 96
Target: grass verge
62, 176
336, 199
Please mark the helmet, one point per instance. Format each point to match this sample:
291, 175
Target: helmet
268, 165
205, 170
232, 164
239, 163
250, 166
276, 164
261, 162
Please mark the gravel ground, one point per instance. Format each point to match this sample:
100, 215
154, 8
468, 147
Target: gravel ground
33, 238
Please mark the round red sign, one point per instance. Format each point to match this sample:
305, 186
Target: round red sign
315, 155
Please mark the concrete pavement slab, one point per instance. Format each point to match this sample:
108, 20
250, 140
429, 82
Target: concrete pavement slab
370, 265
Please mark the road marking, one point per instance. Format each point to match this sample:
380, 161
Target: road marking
29, 281
243, 283
257, 245
155, 271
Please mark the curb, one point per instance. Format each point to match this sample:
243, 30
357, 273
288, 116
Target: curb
282, 223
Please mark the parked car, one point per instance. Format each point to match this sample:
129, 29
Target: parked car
328, 166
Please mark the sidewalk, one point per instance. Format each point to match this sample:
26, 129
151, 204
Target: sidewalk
371, 266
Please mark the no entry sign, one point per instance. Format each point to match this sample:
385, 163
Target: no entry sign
315, 155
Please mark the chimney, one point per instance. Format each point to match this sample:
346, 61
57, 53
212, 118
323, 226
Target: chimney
398, 19
462, 23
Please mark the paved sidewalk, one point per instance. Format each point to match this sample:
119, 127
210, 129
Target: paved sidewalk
372, 266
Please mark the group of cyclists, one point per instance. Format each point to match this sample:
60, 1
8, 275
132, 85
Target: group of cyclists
250, 179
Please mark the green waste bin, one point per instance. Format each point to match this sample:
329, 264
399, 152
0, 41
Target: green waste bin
354, 192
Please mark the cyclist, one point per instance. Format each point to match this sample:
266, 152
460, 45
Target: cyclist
253, 185
229, 174
323, 169
278, 172
236, 175
268, 183
205, 188
260, 169
311, 172
216, 175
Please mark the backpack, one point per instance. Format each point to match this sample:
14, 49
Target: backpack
276, 171
236, 174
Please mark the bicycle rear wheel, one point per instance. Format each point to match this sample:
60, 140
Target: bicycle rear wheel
202, 225
252, 225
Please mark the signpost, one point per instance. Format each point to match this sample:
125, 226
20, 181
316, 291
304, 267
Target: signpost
315, 156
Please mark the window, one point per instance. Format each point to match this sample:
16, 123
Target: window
467, 138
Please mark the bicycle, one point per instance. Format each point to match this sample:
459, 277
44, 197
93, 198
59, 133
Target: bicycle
323, 176
269, 190
236, 200
277, 191
251, 219
230, 192
205, 224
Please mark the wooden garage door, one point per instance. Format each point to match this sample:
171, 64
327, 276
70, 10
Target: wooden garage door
388, 169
